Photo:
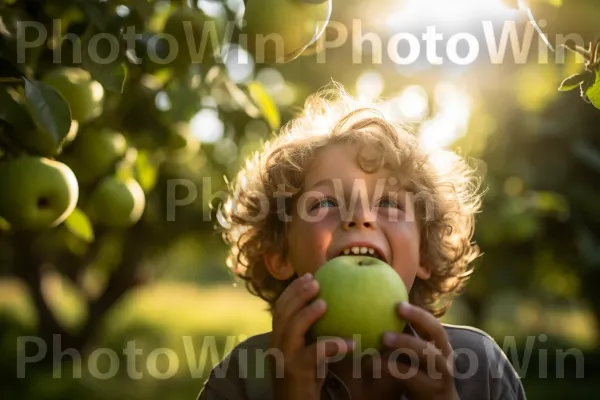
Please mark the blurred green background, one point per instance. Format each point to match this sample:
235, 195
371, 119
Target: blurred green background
163, 283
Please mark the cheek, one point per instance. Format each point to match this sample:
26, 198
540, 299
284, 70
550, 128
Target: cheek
404, 240
308, 242
405, 236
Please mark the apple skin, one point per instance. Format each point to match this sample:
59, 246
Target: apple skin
362, 294
36, 193
184, 20
298, 23
94, 153
116, 203
84, 95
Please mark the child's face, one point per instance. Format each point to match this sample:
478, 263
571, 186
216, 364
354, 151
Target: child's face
327, 221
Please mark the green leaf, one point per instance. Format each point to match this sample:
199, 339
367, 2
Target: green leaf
13, 112
50, 113
265, 103
573, 81
146, 173
79, 225
592, 90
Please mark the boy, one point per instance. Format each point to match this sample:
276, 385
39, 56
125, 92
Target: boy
342, 179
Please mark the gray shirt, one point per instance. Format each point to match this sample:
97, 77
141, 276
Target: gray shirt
481, 371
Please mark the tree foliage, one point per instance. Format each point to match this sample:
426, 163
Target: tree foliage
77, 90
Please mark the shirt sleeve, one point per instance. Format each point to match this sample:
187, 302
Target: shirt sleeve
208, 393
482, 370
505, 383
224, 381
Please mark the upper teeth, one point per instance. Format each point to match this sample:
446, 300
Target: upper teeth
359, 250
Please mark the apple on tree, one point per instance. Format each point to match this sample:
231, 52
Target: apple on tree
116, 202
95, 152
84, 95
36, 193
361, 294
278, 31
189, 28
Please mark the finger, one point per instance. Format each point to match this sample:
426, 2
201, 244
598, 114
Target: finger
416, 352
296, 329
294, 298
426, 325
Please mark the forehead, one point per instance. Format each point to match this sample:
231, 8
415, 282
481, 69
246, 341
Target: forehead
341, 161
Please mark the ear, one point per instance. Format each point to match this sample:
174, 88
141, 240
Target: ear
423, 273
278, 266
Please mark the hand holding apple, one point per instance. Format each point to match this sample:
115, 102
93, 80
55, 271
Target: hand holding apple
362, 294
425, 380
292, 318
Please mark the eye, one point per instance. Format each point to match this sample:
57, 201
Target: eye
389, 202
324, 202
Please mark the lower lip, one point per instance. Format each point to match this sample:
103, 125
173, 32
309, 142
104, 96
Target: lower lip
364, 255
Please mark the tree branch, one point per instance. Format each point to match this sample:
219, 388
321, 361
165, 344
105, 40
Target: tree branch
73, 265
29, 268
124, 277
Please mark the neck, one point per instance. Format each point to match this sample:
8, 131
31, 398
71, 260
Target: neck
365, 379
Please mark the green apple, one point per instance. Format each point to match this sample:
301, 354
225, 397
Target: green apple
362, 294
84, 95
189, 27
95, 153
36, 193
116, 203
293, 24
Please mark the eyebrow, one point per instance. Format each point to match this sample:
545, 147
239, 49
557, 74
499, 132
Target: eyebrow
322, 182
328, 182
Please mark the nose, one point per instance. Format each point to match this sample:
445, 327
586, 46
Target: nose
359, 220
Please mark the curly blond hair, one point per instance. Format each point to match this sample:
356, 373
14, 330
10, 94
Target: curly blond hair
447, 194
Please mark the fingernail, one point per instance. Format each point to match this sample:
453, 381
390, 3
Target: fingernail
319, 304
389, 338
306, 277
404, 308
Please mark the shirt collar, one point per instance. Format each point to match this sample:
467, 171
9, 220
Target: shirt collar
335, 388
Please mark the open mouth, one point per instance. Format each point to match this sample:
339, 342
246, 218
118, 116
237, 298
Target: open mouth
362, 251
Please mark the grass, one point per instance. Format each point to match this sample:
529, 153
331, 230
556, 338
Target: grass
173, 316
